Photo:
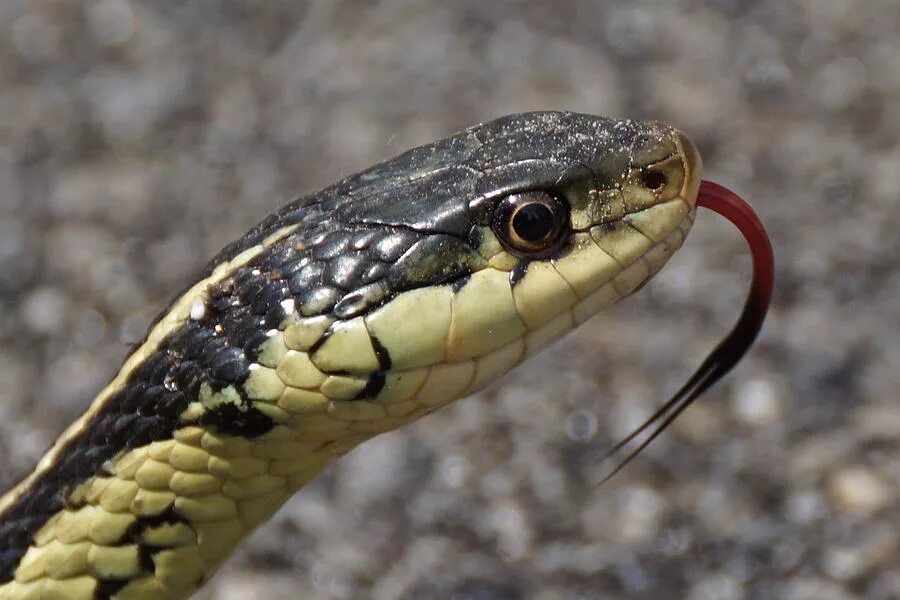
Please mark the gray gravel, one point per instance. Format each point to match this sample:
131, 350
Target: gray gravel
136, 138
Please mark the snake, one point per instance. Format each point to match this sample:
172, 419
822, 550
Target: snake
347, 313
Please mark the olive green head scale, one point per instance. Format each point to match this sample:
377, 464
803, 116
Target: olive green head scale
350, 312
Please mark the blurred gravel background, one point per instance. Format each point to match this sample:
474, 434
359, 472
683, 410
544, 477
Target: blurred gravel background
136, 138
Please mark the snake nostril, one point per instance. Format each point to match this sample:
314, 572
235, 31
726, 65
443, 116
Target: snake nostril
654, 180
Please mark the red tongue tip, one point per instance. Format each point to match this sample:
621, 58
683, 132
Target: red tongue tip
731, 349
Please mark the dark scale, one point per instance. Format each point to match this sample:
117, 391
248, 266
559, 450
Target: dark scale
518, 272
391, 247
333, 245
345, 271
362, 300
306, 278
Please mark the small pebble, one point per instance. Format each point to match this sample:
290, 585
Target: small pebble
581, 426
35, 37
111, 22
716, 587
45, 310
640, 512
454, 470
843, 563
756, 402
858, 490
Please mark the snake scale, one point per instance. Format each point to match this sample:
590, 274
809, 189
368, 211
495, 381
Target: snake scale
349, 312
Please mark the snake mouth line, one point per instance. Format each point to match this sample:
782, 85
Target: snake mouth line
620, 218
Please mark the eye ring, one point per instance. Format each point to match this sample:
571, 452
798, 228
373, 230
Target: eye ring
531, 223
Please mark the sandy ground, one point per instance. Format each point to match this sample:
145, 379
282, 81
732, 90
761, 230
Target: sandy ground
136, 138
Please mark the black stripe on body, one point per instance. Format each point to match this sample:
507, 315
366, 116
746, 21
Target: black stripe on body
216, 350
146, 409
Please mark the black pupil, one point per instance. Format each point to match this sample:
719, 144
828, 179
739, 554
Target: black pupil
533, 222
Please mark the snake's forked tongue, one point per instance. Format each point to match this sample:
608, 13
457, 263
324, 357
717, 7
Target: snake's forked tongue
731, 349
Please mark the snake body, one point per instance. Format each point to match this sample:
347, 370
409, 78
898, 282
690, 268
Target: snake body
347, 313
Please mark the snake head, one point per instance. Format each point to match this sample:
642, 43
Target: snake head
456, 260
579, 210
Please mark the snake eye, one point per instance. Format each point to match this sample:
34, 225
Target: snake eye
531, 222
